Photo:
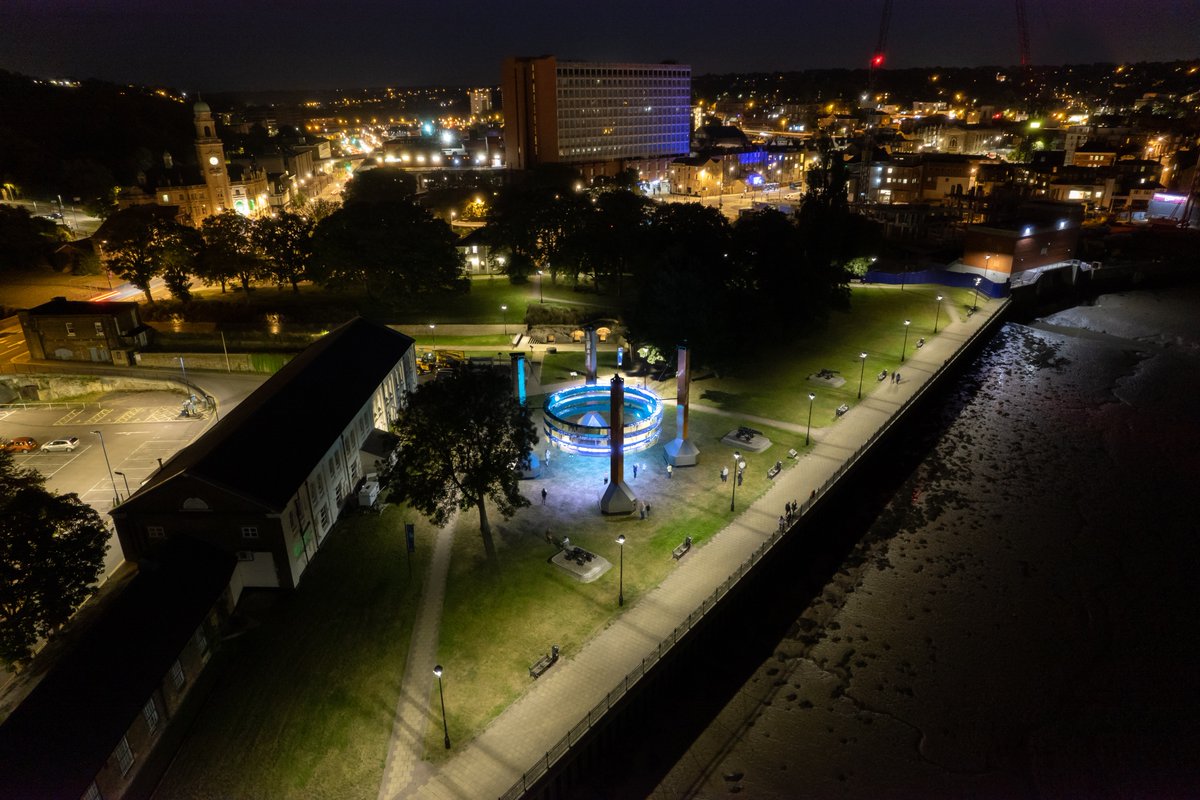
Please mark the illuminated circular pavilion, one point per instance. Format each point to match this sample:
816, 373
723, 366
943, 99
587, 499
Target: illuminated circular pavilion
576, 419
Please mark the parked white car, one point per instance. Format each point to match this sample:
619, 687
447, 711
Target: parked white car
60, 445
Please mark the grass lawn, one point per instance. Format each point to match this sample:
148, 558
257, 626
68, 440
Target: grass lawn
773, 382
499, 620
557, 367
305, 701
425, 342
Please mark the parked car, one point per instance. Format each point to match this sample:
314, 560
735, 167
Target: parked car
61, 445
21, 444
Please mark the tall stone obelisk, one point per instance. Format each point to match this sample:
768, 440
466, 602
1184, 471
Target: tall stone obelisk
618, 497
680, 452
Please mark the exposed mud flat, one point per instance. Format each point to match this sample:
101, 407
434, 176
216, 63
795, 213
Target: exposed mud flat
1021, 620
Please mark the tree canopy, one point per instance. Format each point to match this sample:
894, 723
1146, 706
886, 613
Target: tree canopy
461, 438
51, 553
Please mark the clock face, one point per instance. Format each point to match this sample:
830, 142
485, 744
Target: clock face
213, 160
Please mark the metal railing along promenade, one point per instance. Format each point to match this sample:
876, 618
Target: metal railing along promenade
543, 765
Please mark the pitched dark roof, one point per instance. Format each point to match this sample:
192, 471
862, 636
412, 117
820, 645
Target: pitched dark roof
61, 306
266, 447
57, 740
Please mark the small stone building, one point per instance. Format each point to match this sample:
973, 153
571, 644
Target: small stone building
78, 330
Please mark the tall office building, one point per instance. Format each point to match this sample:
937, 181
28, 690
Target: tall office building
600, 117
481, 101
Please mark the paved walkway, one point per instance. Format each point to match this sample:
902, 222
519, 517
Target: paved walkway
489, 765
413, 712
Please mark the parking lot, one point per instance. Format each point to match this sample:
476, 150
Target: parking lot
136, 429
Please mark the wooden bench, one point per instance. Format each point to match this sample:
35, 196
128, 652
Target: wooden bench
683, 548
544, 663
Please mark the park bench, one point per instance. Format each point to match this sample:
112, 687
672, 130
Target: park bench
842, 409
775, 470
544, 663
682, 548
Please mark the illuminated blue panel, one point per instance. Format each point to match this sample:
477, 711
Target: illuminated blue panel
521, 379
643, 411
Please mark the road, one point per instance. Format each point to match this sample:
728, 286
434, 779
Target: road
75, 219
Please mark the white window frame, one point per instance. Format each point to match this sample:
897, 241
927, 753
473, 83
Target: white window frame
150, 713
99, 328
178, 678
156, 532
70, 329
92, 793
124, 756
249, 531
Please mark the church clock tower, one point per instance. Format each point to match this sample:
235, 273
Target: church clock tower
210, 153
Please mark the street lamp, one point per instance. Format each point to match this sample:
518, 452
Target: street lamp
504, 316
975, 306
937, 314
987, 264
108, 464
126, 479
737, 461
433, 335
541, 299
808, 431
904, 347
621, 589
862, 369
437, 670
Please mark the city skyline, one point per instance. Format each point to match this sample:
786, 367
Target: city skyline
217, 46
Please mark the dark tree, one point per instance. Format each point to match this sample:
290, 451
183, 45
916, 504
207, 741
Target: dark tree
286, 244
394, 250
461, 438
51, 553
380, 185
178, 254
230, 252
25, 240
140, 244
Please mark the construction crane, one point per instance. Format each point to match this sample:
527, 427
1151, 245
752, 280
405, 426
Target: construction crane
881, 45
1023, 34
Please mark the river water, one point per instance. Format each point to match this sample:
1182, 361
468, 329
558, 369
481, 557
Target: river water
1021, 620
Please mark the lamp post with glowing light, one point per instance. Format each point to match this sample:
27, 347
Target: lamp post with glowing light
808, 430
125, 478
107, 463
975, 306
437, 670
861, 370
621, 585
904, 347
541, 277
433, 336
737, 466
937, 314
504, 316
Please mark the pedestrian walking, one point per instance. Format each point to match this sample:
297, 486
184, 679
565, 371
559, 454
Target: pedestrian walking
547, 456
606, 481
647, 510
897, 377
670, 469
724, 474
782, 525
641, 509
635, 471
739, 477
543, 495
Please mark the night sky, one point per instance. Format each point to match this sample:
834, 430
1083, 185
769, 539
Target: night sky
211, 45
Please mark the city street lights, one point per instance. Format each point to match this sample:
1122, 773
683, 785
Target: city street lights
937, 314
975, 306
862, 369
541, 299
126, 479
504, 316
108, 464
987, 264
621, 589
437, 670
904, 347
737, 461
433, 336
808, 430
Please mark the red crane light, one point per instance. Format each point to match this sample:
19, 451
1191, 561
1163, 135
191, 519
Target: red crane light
877, 61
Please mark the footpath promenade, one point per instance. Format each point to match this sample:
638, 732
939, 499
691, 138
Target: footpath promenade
489, 765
